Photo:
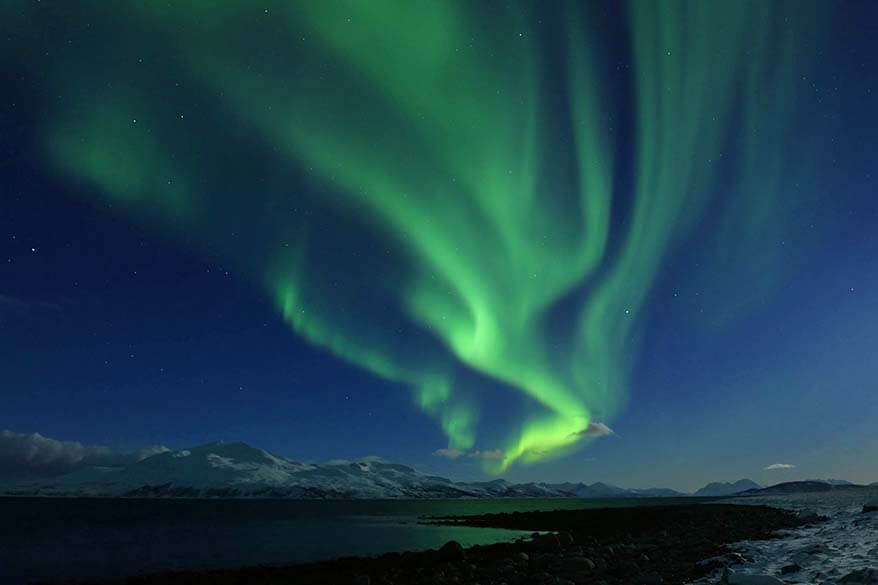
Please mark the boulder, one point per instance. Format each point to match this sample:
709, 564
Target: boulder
650, 579
546, 543
361, 580
573, 565
793, 568
712, 562
451, 552
732, 578
808, 515
862, 577
736, 558
813, 549
870, 507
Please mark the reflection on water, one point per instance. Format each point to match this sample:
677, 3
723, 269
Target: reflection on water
62, 538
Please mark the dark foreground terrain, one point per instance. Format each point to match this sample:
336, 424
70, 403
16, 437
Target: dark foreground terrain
632, 546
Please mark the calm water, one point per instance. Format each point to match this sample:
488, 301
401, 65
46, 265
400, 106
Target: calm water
44, 538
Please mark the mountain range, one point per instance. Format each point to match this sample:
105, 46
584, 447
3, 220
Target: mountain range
240, 470
716, 488
229, 470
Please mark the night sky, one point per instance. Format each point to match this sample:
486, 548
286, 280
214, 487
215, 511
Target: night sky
554, 241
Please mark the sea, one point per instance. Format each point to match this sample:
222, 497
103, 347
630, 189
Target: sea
78, 538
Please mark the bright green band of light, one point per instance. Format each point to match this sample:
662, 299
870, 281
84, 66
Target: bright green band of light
427, 123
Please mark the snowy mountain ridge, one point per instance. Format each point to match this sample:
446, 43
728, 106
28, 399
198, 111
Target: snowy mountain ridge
240, 470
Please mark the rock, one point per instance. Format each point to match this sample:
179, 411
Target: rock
650, 579
452, 551
361, 580
736, 558
547, 543
573, 565
505, 566
565, 538
794, 568
813, 549
428, 558
643, 558
732, 578
808, 515
711, 563
731, 558
870, 507
862, 577
522, 556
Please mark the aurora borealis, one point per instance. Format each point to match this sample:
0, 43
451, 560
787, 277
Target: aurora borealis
472, 202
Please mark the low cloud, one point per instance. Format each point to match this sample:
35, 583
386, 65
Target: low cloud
596, 429
24, 456
775, 466
150, 451
15, 305
449, 453
12, 303
457, 453
495, 454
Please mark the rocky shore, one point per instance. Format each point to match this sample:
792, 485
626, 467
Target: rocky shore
632, 546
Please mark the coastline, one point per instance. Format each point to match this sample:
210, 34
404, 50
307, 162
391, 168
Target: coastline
644, 545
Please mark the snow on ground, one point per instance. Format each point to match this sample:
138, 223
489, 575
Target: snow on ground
827, 552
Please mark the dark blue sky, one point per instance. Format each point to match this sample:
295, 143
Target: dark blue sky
117, 331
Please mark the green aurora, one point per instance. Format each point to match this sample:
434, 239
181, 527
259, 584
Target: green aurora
474, 188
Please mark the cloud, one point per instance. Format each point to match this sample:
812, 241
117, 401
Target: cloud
449, 453
495, 454
596, 429
455, 453
22, 305
24, 455
775, 466
12, 303
150, 451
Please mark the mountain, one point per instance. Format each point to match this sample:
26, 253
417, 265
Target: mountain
238, 470
833, 481
599, 490
791, 487
658, 493
716, 488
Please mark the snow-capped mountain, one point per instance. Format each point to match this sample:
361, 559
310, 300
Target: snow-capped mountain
240, 470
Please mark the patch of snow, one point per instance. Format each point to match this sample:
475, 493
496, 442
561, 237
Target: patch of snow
840, 550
